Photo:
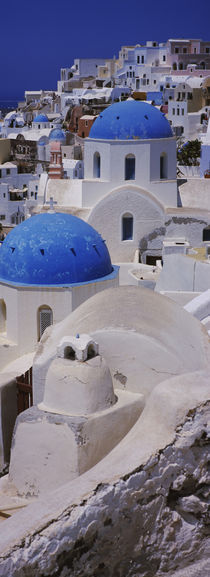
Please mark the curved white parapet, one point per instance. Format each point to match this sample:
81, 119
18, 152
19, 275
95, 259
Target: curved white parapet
199, 306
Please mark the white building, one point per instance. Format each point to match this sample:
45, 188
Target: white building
130, 176
49, 264
16, 191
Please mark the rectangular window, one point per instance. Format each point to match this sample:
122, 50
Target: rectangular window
207, 50
195, 51
164, 58
184, 50
183, 95
138, 59
173, 111
2, 217
142, 59
182, 111
177, 111
8, 171
127, 226
147, 80
154, 81
176, 50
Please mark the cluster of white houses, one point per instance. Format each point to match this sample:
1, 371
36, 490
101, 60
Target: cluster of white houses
99, 372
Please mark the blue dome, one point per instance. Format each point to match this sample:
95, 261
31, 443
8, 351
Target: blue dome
57, 134
41, 118
53, 249
129, 120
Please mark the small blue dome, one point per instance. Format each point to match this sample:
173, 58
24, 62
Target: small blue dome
41, 118
53, 249
130, 120
57, 134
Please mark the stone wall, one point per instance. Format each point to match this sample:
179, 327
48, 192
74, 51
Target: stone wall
153, 522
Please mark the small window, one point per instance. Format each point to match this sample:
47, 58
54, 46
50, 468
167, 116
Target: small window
69, 353
130, 162
177, 111
176, 50
182, 111
8, 171
45, 319
206, 233
127, 227
3, 316
142, 59
173, 111
163, 166
164, 58
96, 165
138, 59
91, 352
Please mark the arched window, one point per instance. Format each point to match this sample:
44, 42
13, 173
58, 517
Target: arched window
17, 217
130, 162
206, 234
45, 319
91, 352
96, 165
3, 316
127, 226
163, 166
174, 66
69, 353
180, 65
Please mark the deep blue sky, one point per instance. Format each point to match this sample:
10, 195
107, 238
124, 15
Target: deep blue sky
38, 38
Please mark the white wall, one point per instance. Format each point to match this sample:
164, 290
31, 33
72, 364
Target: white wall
106, 217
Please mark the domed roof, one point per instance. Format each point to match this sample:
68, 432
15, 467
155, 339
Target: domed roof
41, 118
53, 249
57, 134
130, 120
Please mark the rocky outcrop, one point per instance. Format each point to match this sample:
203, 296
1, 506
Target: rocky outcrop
152, 523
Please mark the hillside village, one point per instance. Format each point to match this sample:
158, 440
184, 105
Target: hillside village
105, 318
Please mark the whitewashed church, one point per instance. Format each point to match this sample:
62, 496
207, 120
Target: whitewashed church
130, 192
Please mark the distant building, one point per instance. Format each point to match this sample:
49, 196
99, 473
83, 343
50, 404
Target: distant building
84, 125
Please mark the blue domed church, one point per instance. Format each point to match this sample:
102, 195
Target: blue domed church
49, 264
129, 179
